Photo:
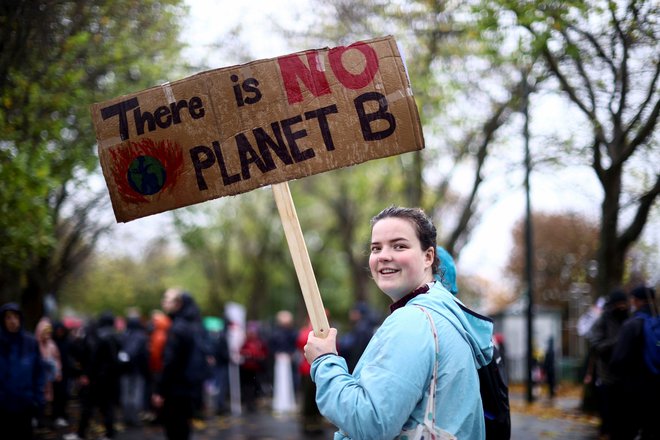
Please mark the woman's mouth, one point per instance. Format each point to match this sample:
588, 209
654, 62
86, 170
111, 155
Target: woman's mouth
387, 271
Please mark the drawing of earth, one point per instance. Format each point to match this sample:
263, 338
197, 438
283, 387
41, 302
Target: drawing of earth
146, 175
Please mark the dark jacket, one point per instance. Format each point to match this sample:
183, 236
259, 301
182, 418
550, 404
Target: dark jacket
135, 354
22, 377
176, 378
627, 361
99, 359
602, 337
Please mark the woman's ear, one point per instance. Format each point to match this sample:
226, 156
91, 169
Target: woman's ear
429, 256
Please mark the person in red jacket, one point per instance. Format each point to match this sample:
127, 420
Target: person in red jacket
160, 324
254, 353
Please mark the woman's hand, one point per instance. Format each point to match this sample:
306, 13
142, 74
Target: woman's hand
315, 346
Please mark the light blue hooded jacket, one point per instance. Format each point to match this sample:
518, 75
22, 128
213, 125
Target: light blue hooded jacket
389, 387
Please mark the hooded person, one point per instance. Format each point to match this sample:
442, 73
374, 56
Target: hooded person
636, 413
22, 376
602, 337
134, 362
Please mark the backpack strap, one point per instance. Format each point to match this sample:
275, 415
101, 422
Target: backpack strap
430, 404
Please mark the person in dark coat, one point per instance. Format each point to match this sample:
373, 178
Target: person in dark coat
353, 343
134, 359
602, 337
176, 390
221, 370
99, 376
22, 377
636, 414
549, 367
61, 396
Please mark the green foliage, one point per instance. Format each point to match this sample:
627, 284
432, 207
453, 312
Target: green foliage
465, 62
117, 283
56, 59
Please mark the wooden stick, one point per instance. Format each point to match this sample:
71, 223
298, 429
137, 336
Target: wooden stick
301, 262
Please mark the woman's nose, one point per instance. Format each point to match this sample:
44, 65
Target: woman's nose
384, 255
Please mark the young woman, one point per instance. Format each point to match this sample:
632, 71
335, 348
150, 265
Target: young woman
389, 389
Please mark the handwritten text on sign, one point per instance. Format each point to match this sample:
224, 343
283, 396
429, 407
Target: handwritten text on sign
231, 130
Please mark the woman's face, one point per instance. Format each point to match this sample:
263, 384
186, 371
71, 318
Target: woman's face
397, 261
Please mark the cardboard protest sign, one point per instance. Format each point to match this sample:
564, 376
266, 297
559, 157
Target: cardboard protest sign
231, 130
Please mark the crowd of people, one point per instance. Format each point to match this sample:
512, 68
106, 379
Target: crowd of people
167, 368
625, 383
161, 369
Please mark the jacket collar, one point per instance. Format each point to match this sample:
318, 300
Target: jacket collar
403, 301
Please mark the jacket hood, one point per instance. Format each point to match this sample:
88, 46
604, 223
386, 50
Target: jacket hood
189, 310
475, 328
10, 307
106, 319
447, 268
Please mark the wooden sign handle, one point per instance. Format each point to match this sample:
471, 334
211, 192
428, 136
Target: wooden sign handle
301, 262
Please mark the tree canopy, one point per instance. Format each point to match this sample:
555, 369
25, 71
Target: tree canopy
57, 58
470, 65
602, 57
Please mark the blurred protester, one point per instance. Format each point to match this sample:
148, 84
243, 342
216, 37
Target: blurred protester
549, 367
159, 326
61, 388
500, 344
177, 386
221, 370
636, 414
235, 338
312, 420
602, 336
283, 346
99, 379
157, 329
134, 361
254, 353
50, 356
353, 343
585, 322
21, 376
203, 366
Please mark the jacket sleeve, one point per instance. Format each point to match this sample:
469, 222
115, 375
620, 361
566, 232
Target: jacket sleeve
389, 381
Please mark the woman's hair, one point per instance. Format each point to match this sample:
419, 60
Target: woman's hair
424, 227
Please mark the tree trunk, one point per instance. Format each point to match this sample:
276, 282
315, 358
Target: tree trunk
610, 257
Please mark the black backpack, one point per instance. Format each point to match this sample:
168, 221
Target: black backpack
494, 390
